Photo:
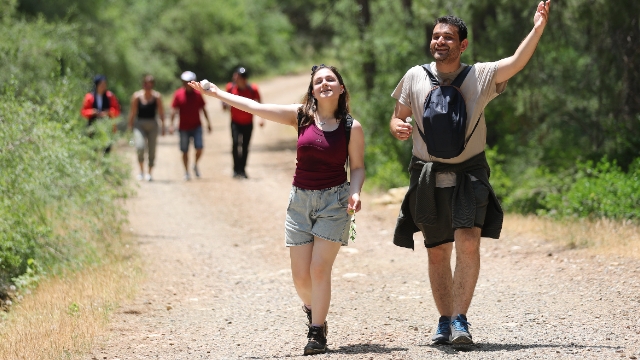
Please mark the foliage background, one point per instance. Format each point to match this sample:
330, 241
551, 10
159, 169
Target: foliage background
563, 140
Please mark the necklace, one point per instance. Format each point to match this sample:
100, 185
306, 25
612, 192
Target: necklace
320, 122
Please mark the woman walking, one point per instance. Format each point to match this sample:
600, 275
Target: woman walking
146, 104
321, 200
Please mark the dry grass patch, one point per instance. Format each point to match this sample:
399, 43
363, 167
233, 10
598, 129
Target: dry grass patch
63, 316
600, 236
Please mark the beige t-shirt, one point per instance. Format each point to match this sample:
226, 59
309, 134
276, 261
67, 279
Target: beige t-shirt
478, 89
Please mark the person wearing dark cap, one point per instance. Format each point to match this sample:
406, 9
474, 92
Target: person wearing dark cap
100, 103
241, 121
188, 103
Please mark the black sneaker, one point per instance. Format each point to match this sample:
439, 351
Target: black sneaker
443, 333
460, 331
309, 317
317, 341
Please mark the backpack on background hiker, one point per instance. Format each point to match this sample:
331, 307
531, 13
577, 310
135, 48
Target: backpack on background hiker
445, 117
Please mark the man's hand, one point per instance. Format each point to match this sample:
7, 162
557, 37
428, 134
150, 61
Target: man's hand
542, 14
400, 130
209, 127
171, 129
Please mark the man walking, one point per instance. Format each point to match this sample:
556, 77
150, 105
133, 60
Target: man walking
450, 199
188, 102
241, 121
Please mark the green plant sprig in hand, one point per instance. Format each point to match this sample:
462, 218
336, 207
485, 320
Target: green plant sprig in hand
352, 226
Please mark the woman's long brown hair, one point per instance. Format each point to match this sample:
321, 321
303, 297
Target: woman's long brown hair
309, 102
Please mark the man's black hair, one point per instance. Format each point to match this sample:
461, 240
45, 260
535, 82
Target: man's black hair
455, 21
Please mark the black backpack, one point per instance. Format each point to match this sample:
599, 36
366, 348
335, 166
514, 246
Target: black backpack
445, 117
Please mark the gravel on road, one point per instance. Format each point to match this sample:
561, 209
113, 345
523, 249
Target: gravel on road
219, 286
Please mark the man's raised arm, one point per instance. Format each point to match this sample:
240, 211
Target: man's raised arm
510, 66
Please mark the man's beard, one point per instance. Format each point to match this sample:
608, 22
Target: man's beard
453, 55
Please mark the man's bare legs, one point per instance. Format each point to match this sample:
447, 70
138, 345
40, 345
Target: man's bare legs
467, 269
453, 292
185, 162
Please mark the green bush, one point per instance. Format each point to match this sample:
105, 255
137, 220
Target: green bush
597, 190
58, 189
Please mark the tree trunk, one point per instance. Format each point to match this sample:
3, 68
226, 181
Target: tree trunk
369, 64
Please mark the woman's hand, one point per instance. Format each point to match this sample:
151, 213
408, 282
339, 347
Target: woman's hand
212, 91
354, 204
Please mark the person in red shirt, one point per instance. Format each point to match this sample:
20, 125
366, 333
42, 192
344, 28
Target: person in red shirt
241, 121
100, 104
188, 103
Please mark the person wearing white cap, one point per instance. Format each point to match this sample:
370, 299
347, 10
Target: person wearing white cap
188, 103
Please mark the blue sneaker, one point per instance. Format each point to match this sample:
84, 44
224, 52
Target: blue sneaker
444, 331
460, 331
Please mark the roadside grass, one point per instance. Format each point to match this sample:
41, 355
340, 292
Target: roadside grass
65, 314
602, 236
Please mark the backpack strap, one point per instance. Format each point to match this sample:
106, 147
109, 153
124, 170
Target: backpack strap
300, 116
457, 82
432, 77
347, 128
234, 87
474, 129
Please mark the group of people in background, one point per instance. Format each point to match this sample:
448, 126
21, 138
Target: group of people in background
449, 199
146, 120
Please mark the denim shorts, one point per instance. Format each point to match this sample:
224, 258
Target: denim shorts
185, 135
321, 213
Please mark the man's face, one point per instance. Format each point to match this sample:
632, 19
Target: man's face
241, 81
445, 44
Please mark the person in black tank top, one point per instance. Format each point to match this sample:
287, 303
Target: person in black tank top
146, 105
148, 110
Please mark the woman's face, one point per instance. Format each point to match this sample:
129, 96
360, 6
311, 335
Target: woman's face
101, 87
326, 85
148, 84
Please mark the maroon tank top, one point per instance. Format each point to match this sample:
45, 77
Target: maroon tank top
321, 157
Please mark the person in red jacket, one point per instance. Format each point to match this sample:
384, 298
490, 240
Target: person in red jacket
241, 121
100, 104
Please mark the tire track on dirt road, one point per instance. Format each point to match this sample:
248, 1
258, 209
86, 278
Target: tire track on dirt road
219, 287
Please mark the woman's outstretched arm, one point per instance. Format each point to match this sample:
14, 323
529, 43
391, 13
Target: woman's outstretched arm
283, 114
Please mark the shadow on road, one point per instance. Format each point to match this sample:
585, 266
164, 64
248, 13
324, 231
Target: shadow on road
366, 349
492, 347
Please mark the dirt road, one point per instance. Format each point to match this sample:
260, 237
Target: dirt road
219, 284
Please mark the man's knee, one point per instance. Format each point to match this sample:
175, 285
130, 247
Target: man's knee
440, 254
468, 240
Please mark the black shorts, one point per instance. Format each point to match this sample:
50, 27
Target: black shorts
442, 232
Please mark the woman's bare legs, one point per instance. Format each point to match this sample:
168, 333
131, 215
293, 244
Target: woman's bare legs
311, 266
